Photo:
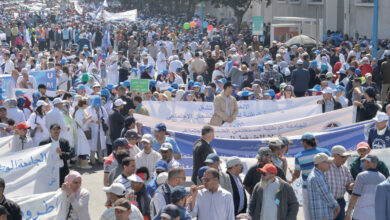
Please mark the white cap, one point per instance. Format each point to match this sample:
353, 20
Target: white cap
162, 178
299, 62
340, 150
329, 74
365, 59
135, 178
57, 101
116, 188
148, 138
322, 157
233, 161
269, 62
41, 103
119, 102
166, 146
368, 75
327, 90
96, 84
381, 116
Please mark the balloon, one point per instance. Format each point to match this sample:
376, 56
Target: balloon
192, 24
205, 24
198, 22
210, 27
186, 26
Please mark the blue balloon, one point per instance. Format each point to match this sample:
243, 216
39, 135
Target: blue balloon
205, 24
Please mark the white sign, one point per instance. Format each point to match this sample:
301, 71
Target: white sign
314, 123
77, 7
50, 206
29, 92
5, 144
201, 112
127, 15
31, 171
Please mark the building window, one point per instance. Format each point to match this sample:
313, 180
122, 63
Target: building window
315, 2
364, 2
281, 1
295, 1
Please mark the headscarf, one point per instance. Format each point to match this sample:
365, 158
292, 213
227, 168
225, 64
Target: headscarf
70, 177
27, 104
20, 102
36, 96
180, 94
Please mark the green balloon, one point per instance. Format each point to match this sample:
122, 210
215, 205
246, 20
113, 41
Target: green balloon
186, 26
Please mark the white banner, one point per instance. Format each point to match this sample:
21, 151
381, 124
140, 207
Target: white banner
29, 93
5, 144
31, 171
77, 7
314, 123
127, 15
50, 206
201, 112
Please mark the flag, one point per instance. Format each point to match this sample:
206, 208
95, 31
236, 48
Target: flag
96, 13
105, 4
26, 34
106, 42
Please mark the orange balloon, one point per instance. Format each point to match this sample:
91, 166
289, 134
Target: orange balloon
192, 24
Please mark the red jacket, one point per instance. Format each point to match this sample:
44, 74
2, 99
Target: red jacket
365, 68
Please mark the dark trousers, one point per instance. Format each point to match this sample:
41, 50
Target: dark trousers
299, 94
341, 215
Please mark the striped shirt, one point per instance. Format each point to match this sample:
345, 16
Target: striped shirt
122, 179
304, 161
338, 178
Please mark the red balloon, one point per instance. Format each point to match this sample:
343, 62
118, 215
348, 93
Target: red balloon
192, 24
210, 27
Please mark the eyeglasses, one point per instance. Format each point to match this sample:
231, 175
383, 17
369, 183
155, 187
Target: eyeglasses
206, 180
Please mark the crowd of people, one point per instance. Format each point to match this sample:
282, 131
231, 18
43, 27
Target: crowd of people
90, 118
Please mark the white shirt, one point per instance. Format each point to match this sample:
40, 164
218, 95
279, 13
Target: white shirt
109, 214
159, 200
9, 66
55, 116
147, 160
16, 114
11, 85
187, 56
218, 205
174, 65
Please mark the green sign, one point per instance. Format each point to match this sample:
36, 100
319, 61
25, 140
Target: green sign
139, 85
258, 25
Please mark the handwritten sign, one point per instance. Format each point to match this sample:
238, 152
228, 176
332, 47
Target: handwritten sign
31, 171
139, 85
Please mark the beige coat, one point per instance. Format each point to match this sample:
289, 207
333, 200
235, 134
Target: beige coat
220, 109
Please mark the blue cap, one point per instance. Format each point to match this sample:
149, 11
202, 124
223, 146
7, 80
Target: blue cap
77, 81
197, 85
271, 80
120, 142
152, 83
316, 88
161, 165
352, 68
191, 83
97, 101
271, 92
19, 92
317, 52
223, 80
134, 70
63, 61
2, 107
110, 86
104, 56
104, 92
34, 53
358, 72
178, 193
307, 136
125, 83
313, 63
171, 90
165, 72
160, 127
341, 88
174, 85
202, 170
246, 93
81, 87
212, 158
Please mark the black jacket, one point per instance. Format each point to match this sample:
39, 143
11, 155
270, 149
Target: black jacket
129, 105
368, 112
66, 155
12, 208
200, 151
116, 120
337, 105
236, 196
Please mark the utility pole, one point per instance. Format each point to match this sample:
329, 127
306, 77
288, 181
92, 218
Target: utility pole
201, 16
375, 30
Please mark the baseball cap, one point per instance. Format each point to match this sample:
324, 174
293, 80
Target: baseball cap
381, 116
329, 74
119, 102
136, 178
202, 170
363, 145
81, 87
268, 168
116, 188
41, 103
162, 178
166, 146
19, 92
275, 142
57, 101
160, 127
368, 75
131, 134
299, 62
97, 101
178, 193
212, 158
327, 90
2, 107
22, 125
370, 158
307, 136
285, 141
161, 165
122, 204
233, 161
170, 211
148, 138
263, 152
340, 150
120, 142
322, 157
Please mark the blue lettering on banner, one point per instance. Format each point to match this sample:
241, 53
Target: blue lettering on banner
19, 163
48, 209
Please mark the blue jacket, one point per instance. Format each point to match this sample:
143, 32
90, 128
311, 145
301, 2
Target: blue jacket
382, 200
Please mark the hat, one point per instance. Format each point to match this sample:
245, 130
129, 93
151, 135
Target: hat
120, 142
122, 204
166, 146
136, 178
232, 161
162, 178
131, 134
85, 77
307, 136
202, 170
352, 68
341, 71
263, 152
197, 85
119, 102
370, 158
160, 127
381, 116
116, 188
299, 62
212, 158
161, 165
285, 141
19, 92
269, 62
22, 125
96, 101
178, 193
275, 142
41, 103
104, 92
341, 88
370, 91
329, 74
110, 86
81, 87
268, 168
148, 138
96, 84
327, 90
170, 212
368, 75
362, 145
340, 150
316, 88
322, 157
218, 64
2, 107
125, 83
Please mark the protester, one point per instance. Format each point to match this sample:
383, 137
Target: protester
382, 196
213, 161
111, 162
128, 165
225, 106
160, 167
12, 209
201, 149
83, 133
21, 139
179, 197
137, 181
362, 201
234, 169
328, 102
166, 151
367, 108
147, 157
116, 119
300, 79
118, 169
379, 136
263, 204
36, 121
